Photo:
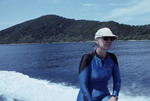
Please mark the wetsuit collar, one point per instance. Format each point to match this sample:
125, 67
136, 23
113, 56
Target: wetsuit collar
100, 57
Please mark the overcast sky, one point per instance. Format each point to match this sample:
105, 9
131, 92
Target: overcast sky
131, 12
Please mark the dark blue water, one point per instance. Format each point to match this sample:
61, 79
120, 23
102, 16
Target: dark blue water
58, 62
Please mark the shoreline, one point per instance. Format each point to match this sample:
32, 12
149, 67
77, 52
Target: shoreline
65, 42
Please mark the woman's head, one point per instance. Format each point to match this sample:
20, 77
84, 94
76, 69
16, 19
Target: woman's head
104, 38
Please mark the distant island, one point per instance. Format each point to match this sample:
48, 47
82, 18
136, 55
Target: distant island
53, 28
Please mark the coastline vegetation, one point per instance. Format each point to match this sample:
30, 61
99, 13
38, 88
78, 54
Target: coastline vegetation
53, 28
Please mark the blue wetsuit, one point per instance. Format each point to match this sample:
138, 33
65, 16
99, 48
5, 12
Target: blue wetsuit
94, 75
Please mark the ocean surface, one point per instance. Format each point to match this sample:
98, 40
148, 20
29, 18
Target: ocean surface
49, 72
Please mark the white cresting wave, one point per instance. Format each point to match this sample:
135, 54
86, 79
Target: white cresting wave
14, 85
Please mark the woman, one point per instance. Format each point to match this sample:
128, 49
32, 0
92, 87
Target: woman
96, 69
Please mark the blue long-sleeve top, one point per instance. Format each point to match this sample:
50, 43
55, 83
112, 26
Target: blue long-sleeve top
94, 75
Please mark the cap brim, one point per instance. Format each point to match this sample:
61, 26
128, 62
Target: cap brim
115, 36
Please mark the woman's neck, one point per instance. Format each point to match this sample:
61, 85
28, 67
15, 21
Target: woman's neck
101, 53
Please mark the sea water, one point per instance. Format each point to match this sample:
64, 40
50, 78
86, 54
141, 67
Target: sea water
49, 72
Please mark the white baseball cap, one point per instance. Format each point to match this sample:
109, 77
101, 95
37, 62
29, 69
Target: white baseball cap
105, 32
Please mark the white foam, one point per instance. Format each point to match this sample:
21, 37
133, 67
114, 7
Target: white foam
124, 97
14, 85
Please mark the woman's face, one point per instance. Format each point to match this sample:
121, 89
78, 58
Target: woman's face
105, 43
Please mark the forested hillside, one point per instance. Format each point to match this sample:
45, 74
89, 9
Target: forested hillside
53, 28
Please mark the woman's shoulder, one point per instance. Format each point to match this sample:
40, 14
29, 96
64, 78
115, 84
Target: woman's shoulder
85, 61
88, 56
113, 57
111, 54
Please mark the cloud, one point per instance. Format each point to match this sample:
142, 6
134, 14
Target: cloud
88, 5
53, 1
135, 9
